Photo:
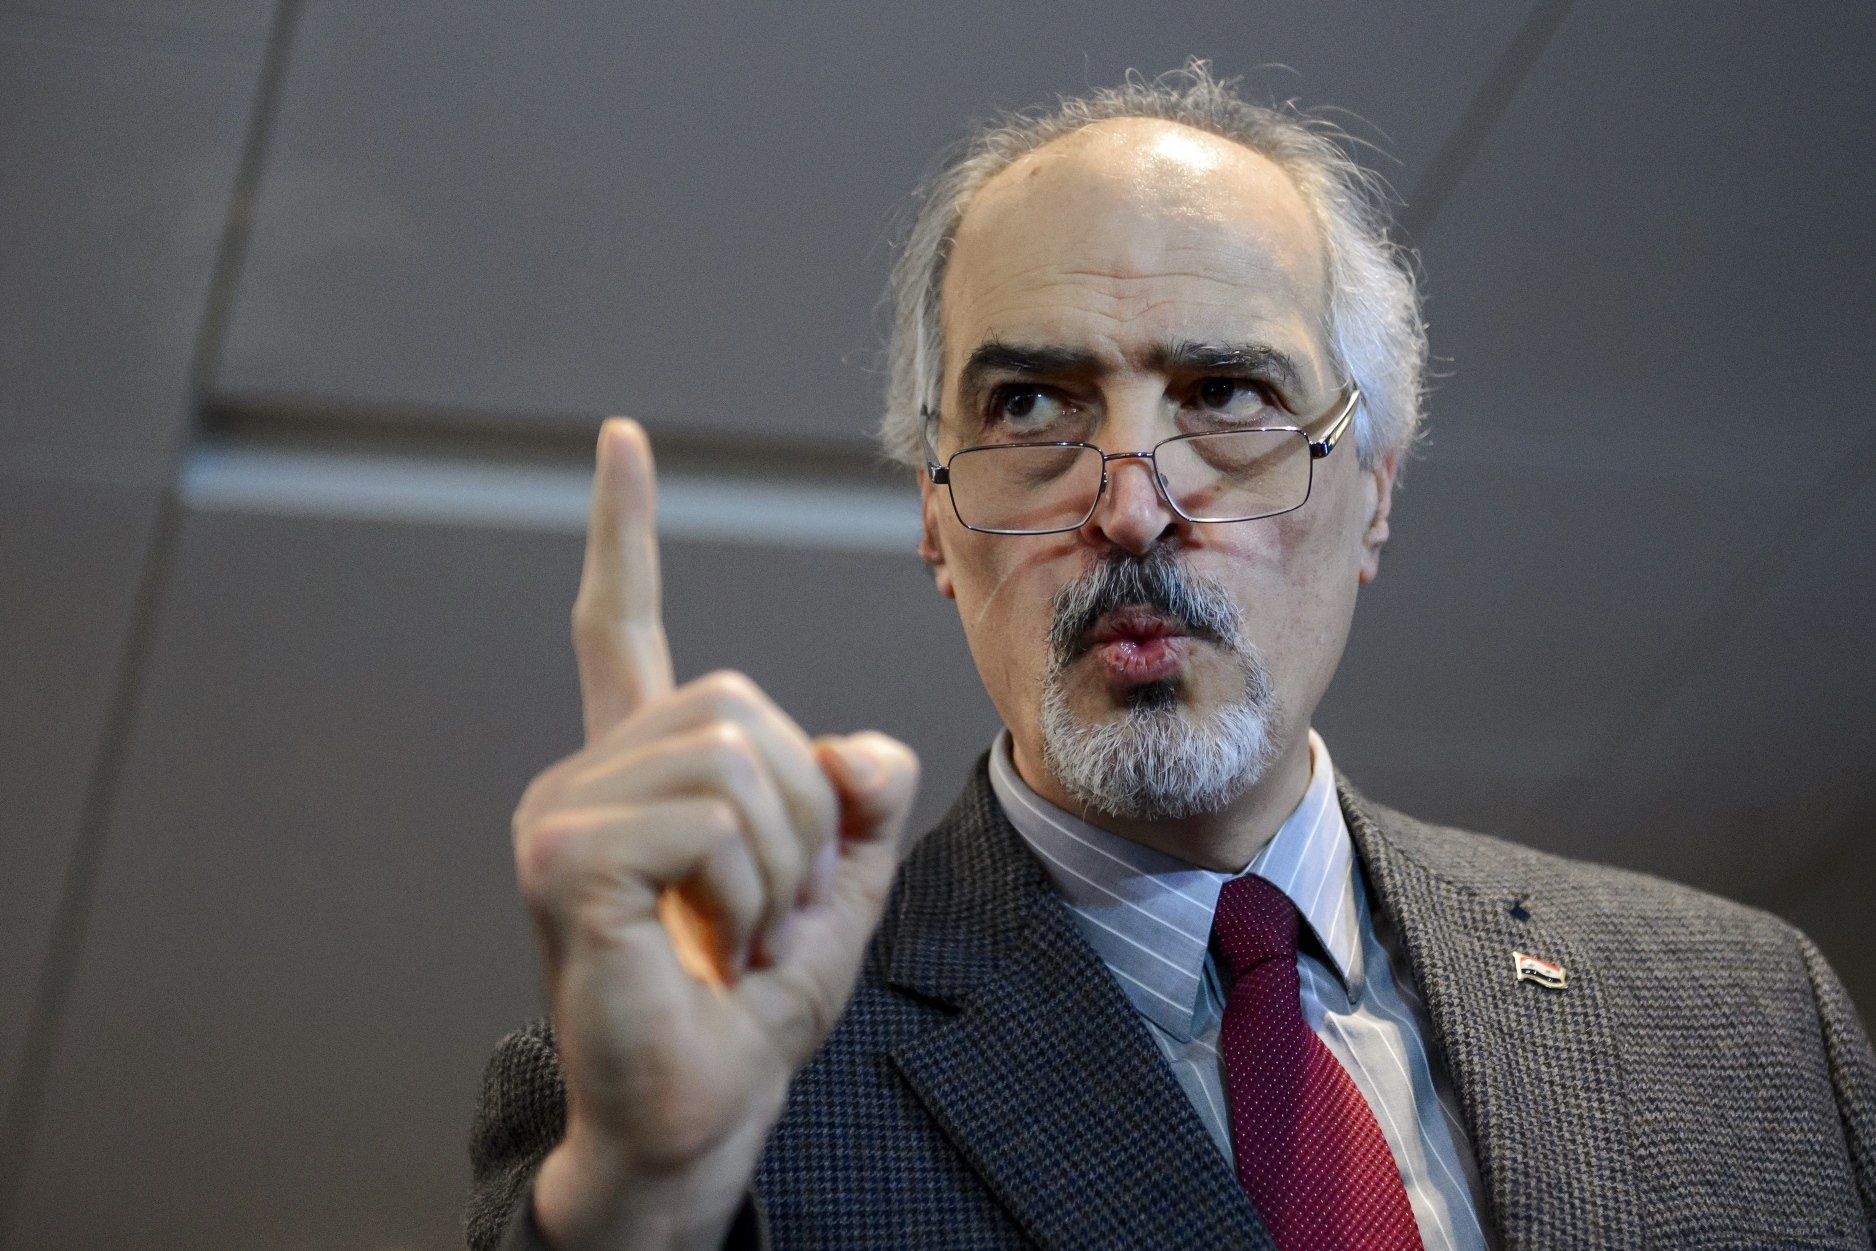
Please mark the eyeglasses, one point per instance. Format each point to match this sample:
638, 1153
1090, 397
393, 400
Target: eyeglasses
1211, 476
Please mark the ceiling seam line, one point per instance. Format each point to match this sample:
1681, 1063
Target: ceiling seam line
1475, 125
53, 989
497, 436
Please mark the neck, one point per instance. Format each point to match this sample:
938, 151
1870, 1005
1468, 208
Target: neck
1225, 841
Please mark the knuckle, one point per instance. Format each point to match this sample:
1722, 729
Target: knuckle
596, 922
543, 847
731, 752
593, 635
731, 691
586, 616
600, 625
896, 756
721, 822
905, 760
543, 792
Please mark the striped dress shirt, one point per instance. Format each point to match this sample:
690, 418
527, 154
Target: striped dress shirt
1149, 916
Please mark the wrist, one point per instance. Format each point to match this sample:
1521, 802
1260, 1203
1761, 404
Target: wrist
588, 1196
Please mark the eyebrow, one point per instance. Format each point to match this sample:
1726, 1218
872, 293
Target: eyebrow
1025, 360
996, 356
1258, 359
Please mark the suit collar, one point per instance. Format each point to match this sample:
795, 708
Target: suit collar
1537, 1071
1149, 914
1044, 1078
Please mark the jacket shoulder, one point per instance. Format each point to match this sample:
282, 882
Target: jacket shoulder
1746, 1069
1572, 889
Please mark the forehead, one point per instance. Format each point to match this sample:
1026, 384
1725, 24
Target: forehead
1135, 231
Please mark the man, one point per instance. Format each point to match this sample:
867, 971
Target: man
1161, 978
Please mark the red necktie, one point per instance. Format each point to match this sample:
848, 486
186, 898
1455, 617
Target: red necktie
1309, 1152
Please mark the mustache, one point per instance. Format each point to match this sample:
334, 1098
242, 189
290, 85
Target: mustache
1156, 581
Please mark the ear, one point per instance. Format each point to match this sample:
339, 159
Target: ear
930, 545
1378, 490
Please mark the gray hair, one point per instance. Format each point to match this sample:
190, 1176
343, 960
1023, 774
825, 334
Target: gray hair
1375, 334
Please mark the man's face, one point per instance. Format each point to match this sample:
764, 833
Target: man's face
1098, 290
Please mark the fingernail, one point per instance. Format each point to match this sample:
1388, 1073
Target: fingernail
862, 768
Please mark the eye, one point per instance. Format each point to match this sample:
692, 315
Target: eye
1026, 410
1239, 401
1218, 392
1224, 393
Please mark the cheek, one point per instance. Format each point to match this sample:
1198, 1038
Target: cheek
1323, 538
1004, 587
1295, 582
1004, 584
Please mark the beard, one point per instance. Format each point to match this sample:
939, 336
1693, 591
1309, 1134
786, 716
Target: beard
1157, 759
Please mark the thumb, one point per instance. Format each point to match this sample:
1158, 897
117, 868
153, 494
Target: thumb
877, 778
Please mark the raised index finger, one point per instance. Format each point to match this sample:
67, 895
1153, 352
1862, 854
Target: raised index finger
618, 616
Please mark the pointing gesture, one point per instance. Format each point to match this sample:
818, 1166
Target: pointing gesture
618, 616
704, 880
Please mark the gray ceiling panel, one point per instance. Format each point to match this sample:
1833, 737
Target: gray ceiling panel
1755, 779
1661, 255
71, 552
119, 165
1761, 761
681, 211
120, 139
1519, 610
1654, 284
306, 936
248, 18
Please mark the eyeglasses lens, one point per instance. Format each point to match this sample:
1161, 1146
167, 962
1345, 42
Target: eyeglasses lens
1235, 475
1231, 475
1025, 489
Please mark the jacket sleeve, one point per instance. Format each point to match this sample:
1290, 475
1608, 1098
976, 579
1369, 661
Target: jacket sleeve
1852, 1074
520, 1116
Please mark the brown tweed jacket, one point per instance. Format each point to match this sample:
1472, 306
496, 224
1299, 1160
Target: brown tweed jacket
1702, 1081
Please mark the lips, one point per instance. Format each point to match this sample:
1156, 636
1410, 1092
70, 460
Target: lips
1137, 645
1135, 623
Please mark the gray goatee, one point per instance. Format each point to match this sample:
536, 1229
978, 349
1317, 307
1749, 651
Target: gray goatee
1157, 759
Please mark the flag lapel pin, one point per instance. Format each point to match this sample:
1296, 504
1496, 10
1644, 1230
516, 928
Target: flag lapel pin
1543, 972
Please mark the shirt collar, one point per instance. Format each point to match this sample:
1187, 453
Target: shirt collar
1149, 915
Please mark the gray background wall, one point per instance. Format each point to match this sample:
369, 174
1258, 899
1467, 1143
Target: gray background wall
308, 312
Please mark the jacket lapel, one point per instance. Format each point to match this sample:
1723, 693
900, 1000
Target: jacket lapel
1537, 1070
1045, 1079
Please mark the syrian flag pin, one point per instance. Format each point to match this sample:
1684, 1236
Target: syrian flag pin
1543, 972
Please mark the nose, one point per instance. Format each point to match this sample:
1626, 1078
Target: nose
1132, 513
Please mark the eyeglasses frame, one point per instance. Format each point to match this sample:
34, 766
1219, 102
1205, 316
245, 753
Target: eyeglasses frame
940, 473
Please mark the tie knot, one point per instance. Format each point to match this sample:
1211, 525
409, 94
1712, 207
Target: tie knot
1255, 922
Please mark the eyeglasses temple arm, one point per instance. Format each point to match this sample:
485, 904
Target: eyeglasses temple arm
939, 474
1333, 435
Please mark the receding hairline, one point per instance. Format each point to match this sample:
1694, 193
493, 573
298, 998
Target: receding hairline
1123, 135
1127, 137
1377, 337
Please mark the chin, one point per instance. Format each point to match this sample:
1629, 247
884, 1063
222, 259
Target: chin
1155, 757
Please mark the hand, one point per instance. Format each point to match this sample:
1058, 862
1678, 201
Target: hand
703, 880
